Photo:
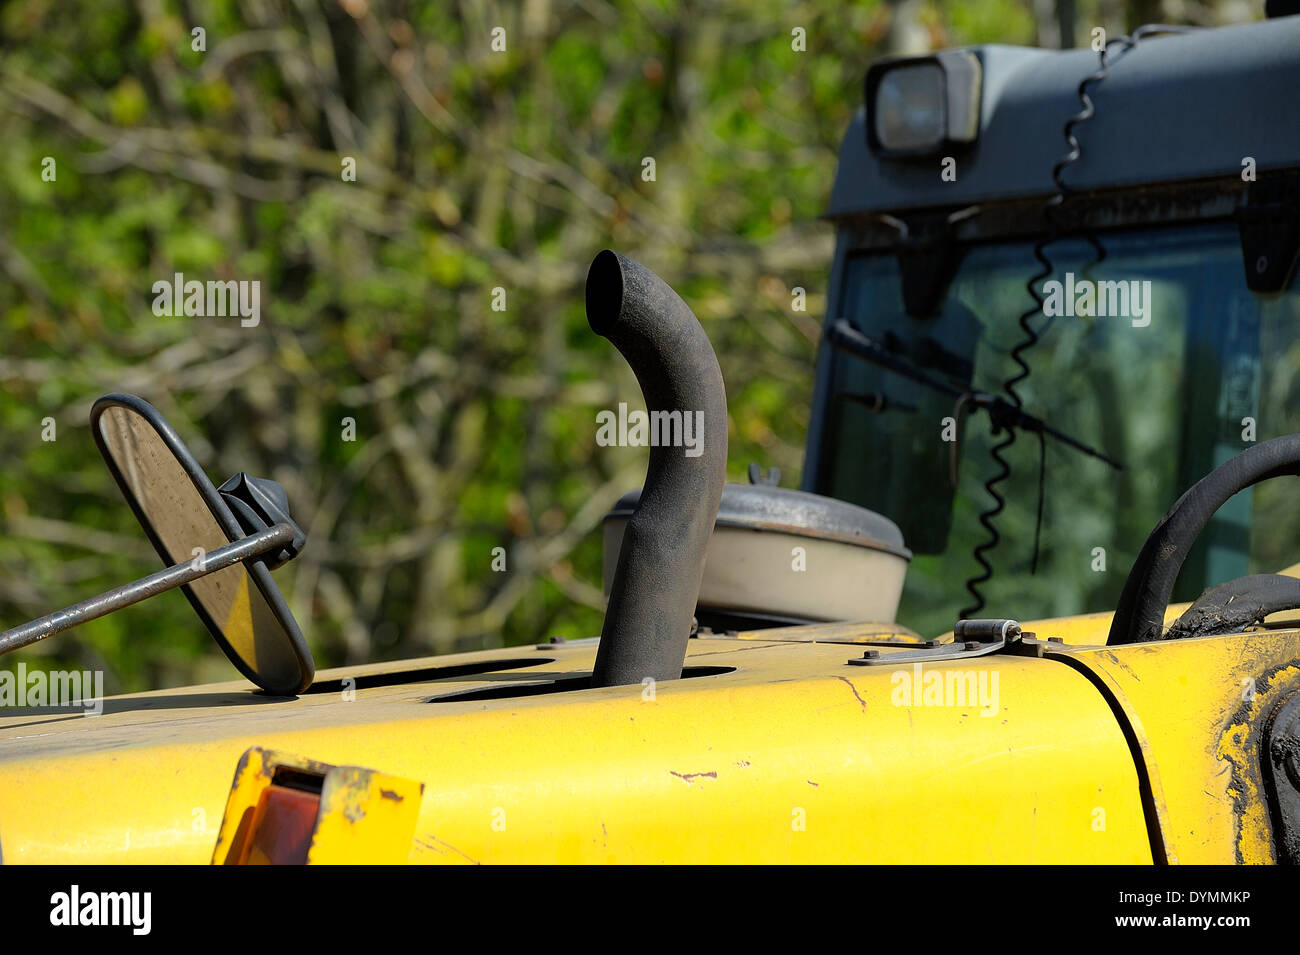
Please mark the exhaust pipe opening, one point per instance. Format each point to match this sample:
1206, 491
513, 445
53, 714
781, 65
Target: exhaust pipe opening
661, 563
604, 291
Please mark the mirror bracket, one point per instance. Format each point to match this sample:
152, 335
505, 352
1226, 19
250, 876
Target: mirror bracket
258, 504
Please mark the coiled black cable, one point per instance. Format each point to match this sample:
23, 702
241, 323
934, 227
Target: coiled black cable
1053, 213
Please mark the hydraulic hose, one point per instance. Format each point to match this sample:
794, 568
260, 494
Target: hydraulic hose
1140, 615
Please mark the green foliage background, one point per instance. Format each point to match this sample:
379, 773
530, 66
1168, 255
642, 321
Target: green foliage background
475, 170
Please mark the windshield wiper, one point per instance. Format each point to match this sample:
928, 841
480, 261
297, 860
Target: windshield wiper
845, 337
878, 402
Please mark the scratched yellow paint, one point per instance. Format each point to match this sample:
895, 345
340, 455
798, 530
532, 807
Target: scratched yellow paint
1201, 706
366, 818
794, 756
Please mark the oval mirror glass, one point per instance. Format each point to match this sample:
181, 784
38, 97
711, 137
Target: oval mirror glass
182, 512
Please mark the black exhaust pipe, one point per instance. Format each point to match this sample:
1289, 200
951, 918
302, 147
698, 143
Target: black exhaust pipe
661, 563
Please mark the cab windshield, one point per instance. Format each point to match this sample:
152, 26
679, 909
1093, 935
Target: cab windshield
1172, 368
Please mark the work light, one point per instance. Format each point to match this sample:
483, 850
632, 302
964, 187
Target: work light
918, 105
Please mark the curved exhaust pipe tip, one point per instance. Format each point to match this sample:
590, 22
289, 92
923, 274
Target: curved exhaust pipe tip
661, 563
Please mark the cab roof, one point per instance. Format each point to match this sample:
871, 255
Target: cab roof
1174, 107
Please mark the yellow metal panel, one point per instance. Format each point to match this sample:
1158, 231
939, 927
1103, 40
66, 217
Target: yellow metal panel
793, 756
1199, 707
366, 818
855, 632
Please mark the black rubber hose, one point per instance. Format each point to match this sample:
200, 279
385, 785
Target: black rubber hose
1140, 615
661, 563
1234, 606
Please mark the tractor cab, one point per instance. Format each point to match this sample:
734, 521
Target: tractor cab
1063, 290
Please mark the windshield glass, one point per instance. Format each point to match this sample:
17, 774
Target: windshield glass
1170, 368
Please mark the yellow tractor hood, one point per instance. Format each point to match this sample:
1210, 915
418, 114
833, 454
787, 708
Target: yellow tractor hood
776, 751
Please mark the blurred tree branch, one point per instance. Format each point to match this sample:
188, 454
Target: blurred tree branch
476, 171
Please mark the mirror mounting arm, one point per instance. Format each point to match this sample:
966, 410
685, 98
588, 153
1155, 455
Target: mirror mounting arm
271, 540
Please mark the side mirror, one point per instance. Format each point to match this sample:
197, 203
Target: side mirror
217, 543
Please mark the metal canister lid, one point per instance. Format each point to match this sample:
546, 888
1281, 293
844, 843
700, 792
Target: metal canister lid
760, 507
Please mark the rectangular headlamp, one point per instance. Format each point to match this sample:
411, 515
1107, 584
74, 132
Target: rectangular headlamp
920, 105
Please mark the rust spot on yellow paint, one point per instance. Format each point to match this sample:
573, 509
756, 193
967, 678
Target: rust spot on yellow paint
691, 777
